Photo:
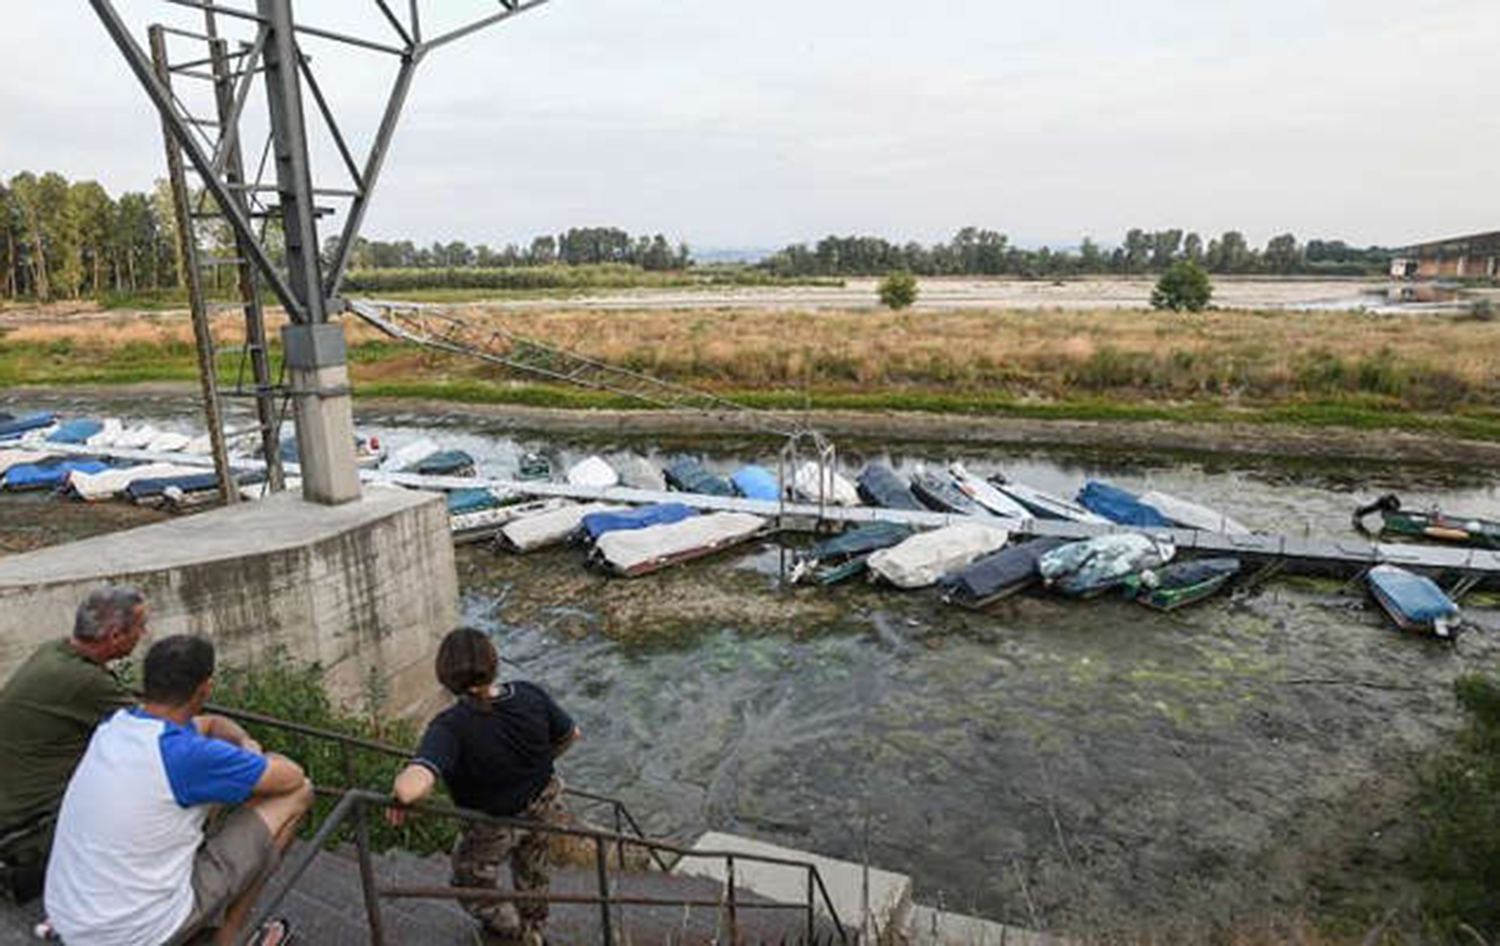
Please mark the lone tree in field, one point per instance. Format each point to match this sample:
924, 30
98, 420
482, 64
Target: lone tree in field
898, 290
1183, 286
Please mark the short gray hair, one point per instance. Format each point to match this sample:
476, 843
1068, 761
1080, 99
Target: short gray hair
105, 611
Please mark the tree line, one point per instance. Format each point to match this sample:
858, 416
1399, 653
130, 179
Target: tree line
979, 252
67, 240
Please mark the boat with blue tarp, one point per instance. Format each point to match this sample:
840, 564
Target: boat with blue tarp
16, 426
690, 476
75, 431
1413, 601
1121, 506
756, 482
596, 524
49, 474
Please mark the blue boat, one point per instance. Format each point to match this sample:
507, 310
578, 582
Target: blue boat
1121, 507
1413, 601
191, 483
48, 474
462, 501
690, 476
443, 463
15, 427
756, 482
76, 431
596, 524
879, 485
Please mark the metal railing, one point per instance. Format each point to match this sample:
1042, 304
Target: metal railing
356, 803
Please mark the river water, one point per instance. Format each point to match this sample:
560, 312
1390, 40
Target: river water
1060, 765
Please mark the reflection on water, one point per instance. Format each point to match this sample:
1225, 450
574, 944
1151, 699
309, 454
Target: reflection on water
1046, 762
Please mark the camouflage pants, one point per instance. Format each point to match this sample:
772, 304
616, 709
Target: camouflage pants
481, 849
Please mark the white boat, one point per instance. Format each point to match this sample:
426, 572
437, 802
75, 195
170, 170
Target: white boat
634, 552
410, 454
542, 529
927, 556
136, 438
107, 436
477, 526
835, 488
168, 442
110, 483
593, 471
1191, 515
1044, 505
986, 495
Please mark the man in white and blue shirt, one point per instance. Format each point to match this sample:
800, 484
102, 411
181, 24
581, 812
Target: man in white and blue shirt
130, 863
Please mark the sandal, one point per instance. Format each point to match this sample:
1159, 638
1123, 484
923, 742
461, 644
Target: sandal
277, 931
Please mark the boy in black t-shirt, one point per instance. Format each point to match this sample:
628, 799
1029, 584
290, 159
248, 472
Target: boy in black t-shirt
494, 749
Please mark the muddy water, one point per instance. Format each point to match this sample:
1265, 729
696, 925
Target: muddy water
1061, 765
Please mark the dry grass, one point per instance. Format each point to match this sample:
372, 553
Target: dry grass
1418, 361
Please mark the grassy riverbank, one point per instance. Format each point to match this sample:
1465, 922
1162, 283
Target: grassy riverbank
1419, 373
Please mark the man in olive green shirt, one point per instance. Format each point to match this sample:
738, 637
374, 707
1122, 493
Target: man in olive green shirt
48, 710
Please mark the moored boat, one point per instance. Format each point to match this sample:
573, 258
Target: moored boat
828, 487
879, 485
638, 473
1094, 566
937, 492
532, 467
528, 533
635, 552
597, 524
52, 473
690, 476
756, 482
482, 524
927, 556
443, 463
1182, 583
1431, 524
593, 471
16, 427
986, 495
1191, 515
845, 555
998, 575
1414, 602
1044, 505
1120, 506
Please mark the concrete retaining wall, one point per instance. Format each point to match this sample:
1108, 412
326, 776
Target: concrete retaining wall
366, 589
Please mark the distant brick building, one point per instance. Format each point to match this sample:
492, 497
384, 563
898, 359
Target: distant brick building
1465, 257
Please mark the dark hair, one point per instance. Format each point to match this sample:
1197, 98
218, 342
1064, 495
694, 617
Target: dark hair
105, 611
175, 667
466, 659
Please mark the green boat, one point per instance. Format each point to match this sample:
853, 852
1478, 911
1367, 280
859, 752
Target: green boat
1181, 584
1431, 524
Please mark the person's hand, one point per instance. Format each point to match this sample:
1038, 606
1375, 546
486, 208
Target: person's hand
396, 817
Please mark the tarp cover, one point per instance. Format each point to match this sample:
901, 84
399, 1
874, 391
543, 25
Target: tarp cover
404, 456
1101, 563
443, 463
1416, 597
461, 501
94, 486
1120, 507
190, 483
880, 486
169, 442
548, 528
1004, 571
638, 473
690, 476
937, 491
593, 471
136, 438
836, 489
1046, 505
861, 541
1190, 515
756, 482
500, 515
19, 425
596, 524
927, 556
638, 550
1180, 575
75, 431
50, 474
10, 458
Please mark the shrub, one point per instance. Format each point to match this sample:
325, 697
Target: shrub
898, 290
1183, 286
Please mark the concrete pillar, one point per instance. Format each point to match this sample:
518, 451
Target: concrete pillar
318, 367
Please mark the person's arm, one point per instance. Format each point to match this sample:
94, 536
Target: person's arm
226, 730
281, 776
413, 784
435, 757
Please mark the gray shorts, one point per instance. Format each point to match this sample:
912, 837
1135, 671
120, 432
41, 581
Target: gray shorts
228, 863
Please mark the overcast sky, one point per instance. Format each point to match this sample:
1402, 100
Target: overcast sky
757, 124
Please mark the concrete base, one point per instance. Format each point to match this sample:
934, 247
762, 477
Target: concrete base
929, 927
889, 892
366, 589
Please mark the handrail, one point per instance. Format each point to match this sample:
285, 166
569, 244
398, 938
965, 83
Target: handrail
622, 814
357, 801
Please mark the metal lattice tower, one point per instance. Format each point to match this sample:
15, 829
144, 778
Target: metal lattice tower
274, 226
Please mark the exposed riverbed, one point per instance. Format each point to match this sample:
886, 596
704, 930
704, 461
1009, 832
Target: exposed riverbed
1071, 766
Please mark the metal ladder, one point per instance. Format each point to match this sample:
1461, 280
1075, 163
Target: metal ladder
229, 74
